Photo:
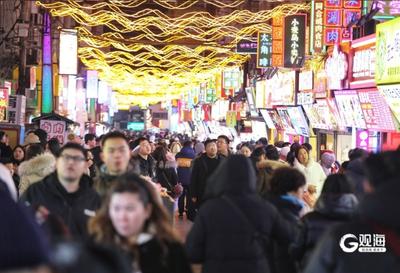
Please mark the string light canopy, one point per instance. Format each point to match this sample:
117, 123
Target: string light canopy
147, 54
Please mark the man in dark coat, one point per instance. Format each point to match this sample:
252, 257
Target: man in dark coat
116, 155
184, 161
143, 159
234, 228
377, 226
67, 193
203, 167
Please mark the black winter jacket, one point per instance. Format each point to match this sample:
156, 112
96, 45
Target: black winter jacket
378, 213
156, 258
225, 240
290, 211
166, 174
200, 175
329, 210
74, 209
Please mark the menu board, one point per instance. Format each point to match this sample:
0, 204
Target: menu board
267, 118
376, 111
350, 109
312, 115
391, 93
299, 121
326, 119
276, 119
286, 120
280, 89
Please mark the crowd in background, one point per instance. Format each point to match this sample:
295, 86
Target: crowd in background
107, 204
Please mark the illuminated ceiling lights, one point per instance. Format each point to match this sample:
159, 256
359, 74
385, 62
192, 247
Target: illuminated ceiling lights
150, 57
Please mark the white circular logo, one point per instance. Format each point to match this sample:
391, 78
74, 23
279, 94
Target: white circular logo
353, 244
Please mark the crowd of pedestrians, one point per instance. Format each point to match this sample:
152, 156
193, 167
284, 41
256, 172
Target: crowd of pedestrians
108, 204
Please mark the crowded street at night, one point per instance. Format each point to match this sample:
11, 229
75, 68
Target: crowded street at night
199, 136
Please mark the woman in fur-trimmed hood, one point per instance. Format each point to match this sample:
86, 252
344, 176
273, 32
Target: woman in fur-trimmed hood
37, 166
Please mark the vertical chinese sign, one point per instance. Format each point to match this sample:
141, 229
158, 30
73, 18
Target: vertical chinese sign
337, 16
264, 50
317, 26
294, 40
277, 41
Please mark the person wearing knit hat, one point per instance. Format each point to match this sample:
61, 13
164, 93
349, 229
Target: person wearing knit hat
327, 160
283, 153
23, 245
199, 148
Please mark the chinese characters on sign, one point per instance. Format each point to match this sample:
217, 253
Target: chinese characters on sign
318, 26
387, 65
246, 47
363, 64
295, 35
277, 41
392, 97
387, 7
337, 16
54, 129
376, 111
264, 50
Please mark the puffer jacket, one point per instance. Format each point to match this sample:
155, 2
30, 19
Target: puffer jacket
184, 161
330, 209
35, 170
313, 172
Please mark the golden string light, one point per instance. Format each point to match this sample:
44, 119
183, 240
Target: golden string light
116, 4
144, 64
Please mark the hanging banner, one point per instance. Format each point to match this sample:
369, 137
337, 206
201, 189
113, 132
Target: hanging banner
321, 84
54, 129
231, 119
4, 95
295, 40
387, 68
264, 50
92, 84
68, 57
376, 112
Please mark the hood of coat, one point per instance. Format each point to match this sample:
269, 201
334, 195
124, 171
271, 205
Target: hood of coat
337, 204
382, 206
170, 163
310, 164
235, 175
283, 202
41, 165
186, 152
